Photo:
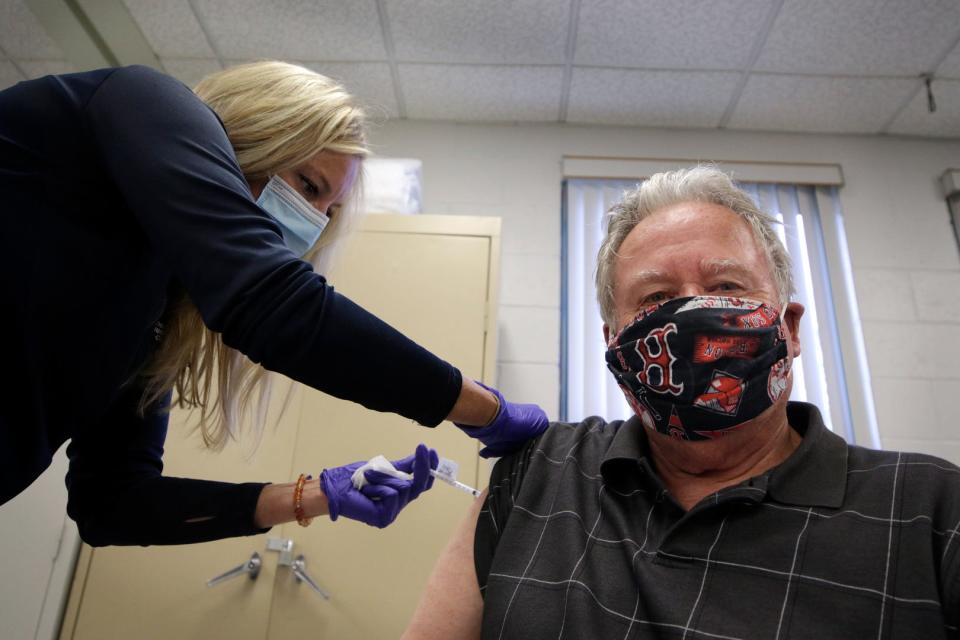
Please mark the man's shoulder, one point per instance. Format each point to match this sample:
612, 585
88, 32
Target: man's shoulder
593, 433
865, 460
585, 443
928, 482
581, 444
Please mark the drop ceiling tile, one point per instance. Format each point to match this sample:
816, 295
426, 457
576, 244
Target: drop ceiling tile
492, 31
190, 71
293, 29
370, 82
951, 65
40, 68
650, 98
860, 37
681, 34
171, 28
481, 93
21, 34
944, 122
810, 103
9, 75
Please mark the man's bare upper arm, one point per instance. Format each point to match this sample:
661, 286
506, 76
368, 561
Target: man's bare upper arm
451, 606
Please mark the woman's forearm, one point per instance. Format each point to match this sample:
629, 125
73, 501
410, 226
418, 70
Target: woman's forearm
275, 505
475, 407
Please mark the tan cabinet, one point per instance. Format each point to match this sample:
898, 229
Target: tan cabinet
435, 279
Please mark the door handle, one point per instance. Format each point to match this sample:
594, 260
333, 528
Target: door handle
300, 574
251, 568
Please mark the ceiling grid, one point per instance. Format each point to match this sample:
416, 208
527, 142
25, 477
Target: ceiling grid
921, 82
569, 53
206, 32
391, 58
830, 66
758, 45
5, 59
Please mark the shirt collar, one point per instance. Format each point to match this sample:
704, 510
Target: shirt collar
815, 474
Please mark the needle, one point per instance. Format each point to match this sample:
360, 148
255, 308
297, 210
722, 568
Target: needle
454, 483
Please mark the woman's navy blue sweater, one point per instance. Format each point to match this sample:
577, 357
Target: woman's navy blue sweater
118, 186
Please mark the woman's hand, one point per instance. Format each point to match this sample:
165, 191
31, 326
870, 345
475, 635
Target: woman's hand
511, 427
380, 500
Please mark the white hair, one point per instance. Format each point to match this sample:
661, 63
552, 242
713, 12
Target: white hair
700, 184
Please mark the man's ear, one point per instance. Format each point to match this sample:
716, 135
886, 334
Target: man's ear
792, 320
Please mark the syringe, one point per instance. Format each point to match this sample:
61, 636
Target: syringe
446, 471
454, 483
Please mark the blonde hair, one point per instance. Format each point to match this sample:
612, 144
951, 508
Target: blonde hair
700, 184
277, 116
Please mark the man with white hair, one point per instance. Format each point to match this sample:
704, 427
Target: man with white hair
720, 510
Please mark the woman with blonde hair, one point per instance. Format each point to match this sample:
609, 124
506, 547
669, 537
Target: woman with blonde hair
165, 246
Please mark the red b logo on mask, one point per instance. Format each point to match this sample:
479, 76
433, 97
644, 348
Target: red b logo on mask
657, 372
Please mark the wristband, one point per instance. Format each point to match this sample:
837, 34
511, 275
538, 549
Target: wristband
302, 519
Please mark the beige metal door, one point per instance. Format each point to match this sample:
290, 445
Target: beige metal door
161, 592
433, 288
432, 277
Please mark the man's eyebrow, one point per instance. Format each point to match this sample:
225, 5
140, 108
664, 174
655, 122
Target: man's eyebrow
644, 276
711, 266
715, 266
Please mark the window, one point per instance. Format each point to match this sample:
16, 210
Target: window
831, 373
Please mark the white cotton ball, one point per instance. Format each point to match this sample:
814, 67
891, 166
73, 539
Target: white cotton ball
377, 463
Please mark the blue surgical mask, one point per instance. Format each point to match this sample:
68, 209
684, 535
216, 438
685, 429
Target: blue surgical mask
300, 223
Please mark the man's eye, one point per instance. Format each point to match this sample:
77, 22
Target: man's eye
659, 296
728, 286
309, 189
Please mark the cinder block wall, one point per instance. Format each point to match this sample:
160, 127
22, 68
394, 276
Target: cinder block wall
905, 258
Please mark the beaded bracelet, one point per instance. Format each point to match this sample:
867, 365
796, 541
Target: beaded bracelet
302, 519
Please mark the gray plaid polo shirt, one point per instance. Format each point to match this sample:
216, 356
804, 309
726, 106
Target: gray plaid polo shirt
579, 539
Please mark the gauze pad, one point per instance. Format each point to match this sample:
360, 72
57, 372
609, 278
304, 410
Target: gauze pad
381, 464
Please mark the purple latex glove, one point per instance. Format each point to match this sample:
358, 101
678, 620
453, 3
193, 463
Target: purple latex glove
381, 499
513, 426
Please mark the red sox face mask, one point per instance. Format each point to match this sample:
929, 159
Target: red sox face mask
696, 368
